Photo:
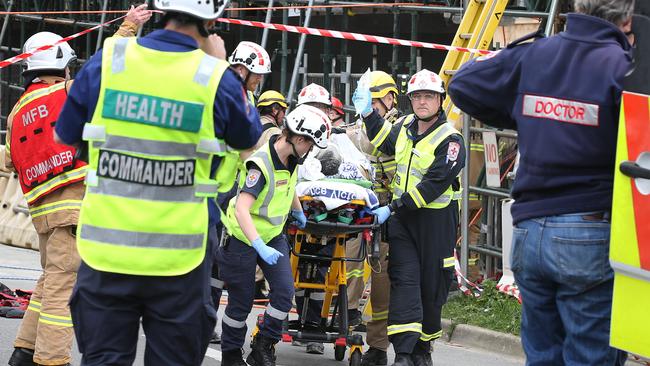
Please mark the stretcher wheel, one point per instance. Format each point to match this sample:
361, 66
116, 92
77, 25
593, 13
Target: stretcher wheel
339, 353
355, 358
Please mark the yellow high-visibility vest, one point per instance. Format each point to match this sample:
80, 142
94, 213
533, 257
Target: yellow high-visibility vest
150, 149
272, 206
413, 161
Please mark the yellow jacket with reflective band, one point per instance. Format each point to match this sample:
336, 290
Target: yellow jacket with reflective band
251, 98
272, 206
384, 165
414, 161
150, 150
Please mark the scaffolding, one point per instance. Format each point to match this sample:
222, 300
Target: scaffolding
336, 64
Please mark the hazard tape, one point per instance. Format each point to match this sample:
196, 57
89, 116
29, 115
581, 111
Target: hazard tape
466, 286
280, 27
273, 8
510, 289
22, 56
351, 36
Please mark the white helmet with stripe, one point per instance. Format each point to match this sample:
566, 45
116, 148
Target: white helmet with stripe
310, 121
314, 93
425, 80
204, 9
55, 58
252, 56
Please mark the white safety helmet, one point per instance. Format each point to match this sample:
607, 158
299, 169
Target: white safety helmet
314, 93
425, 80
204, 9
252, 56
310, 121
55, 58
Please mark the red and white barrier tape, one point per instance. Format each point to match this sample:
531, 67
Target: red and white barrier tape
280, 27
22, 56
509, 289
351, 36
466, 286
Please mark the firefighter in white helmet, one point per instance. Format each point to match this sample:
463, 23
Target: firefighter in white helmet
315, 96
53, 195
254, 225
422, 228
251, 61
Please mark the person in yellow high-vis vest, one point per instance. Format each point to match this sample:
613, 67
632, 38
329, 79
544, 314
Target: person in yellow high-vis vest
254, 224
167, 117
53, 193
429, 156
383, 90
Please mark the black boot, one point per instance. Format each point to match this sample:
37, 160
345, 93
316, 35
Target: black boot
22, 357
260, 287
215, 339
374, 357
403, 359
232, 358
262, 351
422, 359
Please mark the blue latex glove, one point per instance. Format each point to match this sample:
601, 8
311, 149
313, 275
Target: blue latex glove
300, 218
362, 100
383, 213
268, 254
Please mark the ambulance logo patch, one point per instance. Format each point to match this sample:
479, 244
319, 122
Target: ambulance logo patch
252, 178
452, 151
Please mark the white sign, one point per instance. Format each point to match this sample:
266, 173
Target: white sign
492, 171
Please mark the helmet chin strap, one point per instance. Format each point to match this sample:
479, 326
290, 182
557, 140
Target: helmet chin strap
430, 118
299, 159
248, 74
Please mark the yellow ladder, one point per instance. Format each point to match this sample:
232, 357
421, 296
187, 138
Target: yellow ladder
476, 30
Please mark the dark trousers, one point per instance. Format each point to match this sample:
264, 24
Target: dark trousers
216, 283
421, 243
177, 315
316, 297
237, 261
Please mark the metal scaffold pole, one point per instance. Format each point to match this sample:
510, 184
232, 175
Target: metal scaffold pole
285, 53
101, 30
464, 227
265, 36
10, 5
301, 49
267, 19
551, 15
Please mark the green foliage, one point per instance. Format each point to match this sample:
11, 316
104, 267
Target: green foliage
492, 310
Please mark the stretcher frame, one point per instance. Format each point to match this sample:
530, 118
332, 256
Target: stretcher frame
335, 283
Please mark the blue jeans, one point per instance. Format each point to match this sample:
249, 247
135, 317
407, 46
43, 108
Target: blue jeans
561, 265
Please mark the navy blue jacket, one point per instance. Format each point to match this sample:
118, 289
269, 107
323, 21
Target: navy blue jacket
562, 95
234, 120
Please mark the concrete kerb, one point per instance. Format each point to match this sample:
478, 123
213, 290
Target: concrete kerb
471, 336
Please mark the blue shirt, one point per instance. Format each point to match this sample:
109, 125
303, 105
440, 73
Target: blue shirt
234, 119
562, 94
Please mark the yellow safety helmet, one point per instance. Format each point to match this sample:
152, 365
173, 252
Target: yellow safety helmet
381, 84
270, 97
